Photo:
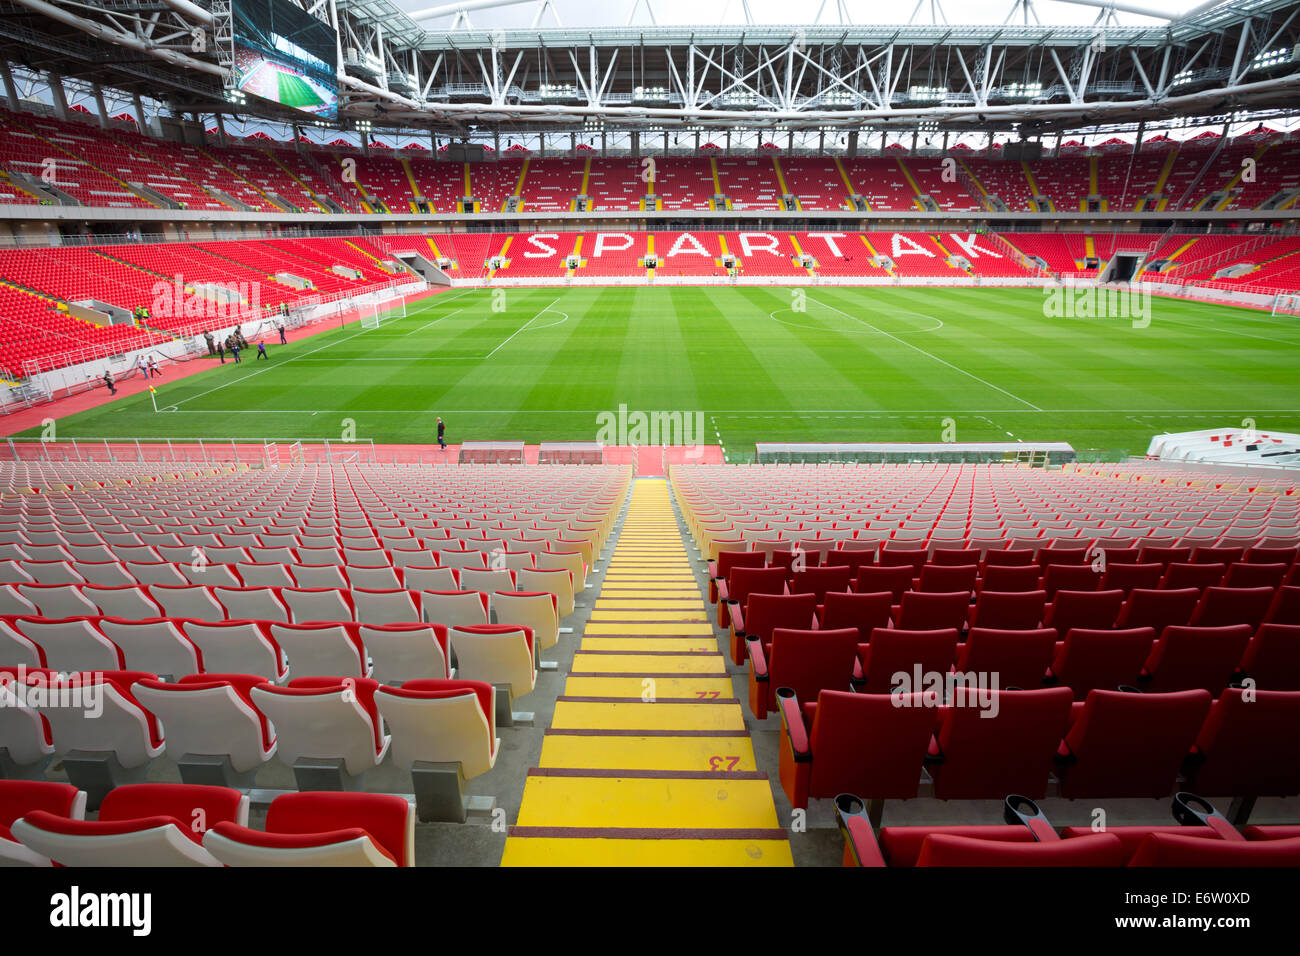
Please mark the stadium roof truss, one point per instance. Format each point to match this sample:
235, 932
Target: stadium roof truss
1219, 58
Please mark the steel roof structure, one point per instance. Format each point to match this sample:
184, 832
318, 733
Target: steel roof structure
1022, 75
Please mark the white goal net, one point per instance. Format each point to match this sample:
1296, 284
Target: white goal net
373, 313
1286, 305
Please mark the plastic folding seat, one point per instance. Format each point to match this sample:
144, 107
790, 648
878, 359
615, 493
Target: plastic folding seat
1185, 658
1219, 606
1285, 608
873, 578
1016, 557
329, 555
386, 606
420, 557
1213, 555
1179, 850
1020, 658
498, 654
1248, 746
558, 582
1272, 658
25, 741
322, 649
211, 715
107, 573
71, 644
898, 558
1128, 744
865, 612
189, 601
11, 573
923, 611
455, 608
805, 661
21, 797
870, 744
156, 573
122, 728
1073, 609
461, 559
148, 824
947, 578
442, 722
309, 605
1010, 578
1070, 577
1009, 609
252, 603
322, 829
58, 600
52, 572
46, 553
265, 575
1267, 555
211, 575
273, 555
950, 557
893, 651
571, 561
1126, 577
375, 579
1188, 575
853, 560
1246, 575
156, 647
486, 580
325, 719
994, 742
18, 649
1146, 607
402, 652
125, 601
764, 612
238, 647
537, 610
1101, 659
366, 558
820, 580
422, 578
742, 581
1064, 554
1029, 842
1164, 555
319, 575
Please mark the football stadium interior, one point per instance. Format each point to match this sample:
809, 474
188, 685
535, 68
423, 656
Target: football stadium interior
548, 433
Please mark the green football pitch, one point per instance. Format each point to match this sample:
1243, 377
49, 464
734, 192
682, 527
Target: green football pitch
762, 364
296, 92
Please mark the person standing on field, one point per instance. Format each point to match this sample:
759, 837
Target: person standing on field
442, 434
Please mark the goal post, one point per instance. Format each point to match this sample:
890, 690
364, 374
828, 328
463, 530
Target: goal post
374, 313
1286, 304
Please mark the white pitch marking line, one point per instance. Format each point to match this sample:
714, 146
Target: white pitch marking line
522, 327
955, 368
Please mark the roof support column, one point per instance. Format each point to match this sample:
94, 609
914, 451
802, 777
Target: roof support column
56, 91
11, 92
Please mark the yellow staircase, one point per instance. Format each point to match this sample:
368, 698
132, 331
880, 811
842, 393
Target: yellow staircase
647, 761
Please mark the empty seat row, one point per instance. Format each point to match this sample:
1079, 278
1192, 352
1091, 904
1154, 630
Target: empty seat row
189, 825
1179, 658
1203, 837
244, 720
983, 743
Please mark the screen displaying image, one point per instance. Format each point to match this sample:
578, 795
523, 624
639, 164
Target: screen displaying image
285, 55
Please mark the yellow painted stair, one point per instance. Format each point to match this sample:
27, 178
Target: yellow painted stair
647, 761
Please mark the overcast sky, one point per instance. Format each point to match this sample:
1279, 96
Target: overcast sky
579, 13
